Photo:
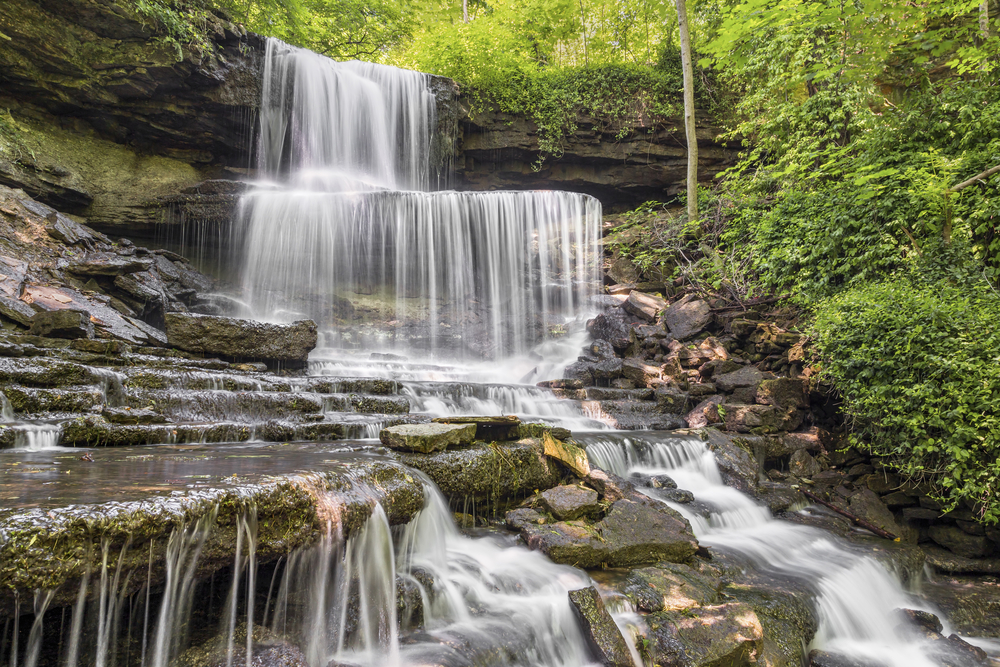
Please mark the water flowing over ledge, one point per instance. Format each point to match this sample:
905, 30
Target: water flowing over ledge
347, 232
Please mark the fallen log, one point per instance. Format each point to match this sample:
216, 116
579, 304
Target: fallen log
856, 519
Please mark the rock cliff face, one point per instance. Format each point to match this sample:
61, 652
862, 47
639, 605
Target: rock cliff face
649, 162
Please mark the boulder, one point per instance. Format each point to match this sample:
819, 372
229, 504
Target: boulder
959, 542
727, 635
69, 232
748, 376
738, 468
567, 453
610, 326
705, 413
669, 587
784, 392
761, 418
602, 349
607, 369
16, 310
603, 635
640, 372
569, 502
427, 438
792, 442
672, 401
622, 270
286, 344
109, 264
802, 464
65, 323
646, 306
687, 317
580, 371
866, 505
633, 532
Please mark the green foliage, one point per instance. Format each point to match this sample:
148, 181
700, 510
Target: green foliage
829, 219
181, 22
341, 29
915, 358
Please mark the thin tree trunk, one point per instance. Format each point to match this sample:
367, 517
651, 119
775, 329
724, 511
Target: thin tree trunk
583, 23
984, 19
465, 11
689, 121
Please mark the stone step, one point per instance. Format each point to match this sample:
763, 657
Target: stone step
97, 430
131, 500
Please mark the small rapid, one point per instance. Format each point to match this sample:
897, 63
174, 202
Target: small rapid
856, 598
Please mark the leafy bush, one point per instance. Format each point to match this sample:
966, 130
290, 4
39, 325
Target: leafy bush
915, 359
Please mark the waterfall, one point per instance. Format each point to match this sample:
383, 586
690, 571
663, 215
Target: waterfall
347, 232
855, 597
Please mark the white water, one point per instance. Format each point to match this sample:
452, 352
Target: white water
351, 237
36, 437
481, 599
855, 596
6, 410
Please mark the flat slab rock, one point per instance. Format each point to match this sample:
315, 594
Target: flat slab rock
427, 438
241, 339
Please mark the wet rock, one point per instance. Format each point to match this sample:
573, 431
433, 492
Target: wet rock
133, 416
760, 418
970, 603
738, 468
610, 327
672, 401
646, 306
959, 542
653, 481
783, 607
681, 496
705, 413
231, 338
489, 429
669, 587
427, 438
567, 453
640, 372
521, 517
62, 324
778, 497
724, 635
581, 372
802, 464
748, 376
602, 633
687, 317
866, 505
28, 400
69, 232
607, 369
570, 502
632, 532
921, 619
602, 349
826, 659
488, 477
784, 392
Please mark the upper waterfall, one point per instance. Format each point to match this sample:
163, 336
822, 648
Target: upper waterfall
334, 126
345, 229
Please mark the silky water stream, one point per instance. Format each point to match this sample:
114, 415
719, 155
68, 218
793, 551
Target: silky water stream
855, 597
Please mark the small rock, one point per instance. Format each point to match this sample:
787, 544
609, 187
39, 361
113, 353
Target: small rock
427, 438
920, 618
602, 632
611, 327
569, 502
607, 369
602, 349
783, 392
580, 371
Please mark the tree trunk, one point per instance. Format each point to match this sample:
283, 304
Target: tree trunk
465, 11
689, 127
984, 19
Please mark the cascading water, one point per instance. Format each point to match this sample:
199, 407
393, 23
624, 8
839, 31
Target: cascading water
353, 238
855, 597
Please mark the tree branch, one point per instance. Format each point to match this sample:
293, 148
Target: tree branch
978, 177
